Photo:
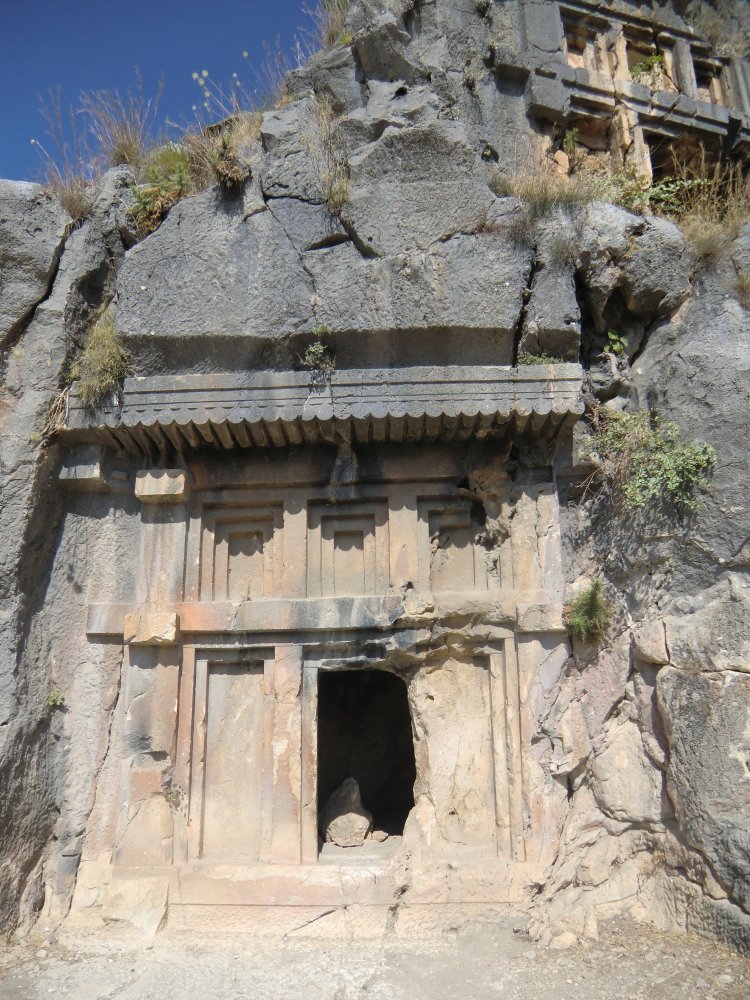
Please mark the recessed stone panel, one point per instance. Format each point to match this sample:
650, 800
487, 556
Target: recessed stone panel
241, 553
347, 549
450, 559
231, 824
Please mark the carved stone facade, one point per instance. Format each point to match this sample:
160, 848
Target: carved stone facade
260, 572
632, 85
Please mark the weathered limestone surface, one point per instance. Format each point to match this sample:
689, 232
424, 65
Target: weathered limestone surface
32, 227
49, 295
684, 648
184, 590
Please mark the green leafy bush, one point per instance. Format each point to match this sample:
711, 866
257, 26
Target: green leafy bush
587, 616
103, 364
647, 461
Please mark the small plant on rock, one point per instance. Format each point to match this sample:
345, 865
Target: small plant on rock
570, 147
56, 699
318, 356
616, 343
649, 70
646, 460
103, 364
587, 615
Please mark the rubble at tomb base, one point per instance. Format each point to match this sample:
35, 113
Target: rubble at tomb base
244, 589
344, 820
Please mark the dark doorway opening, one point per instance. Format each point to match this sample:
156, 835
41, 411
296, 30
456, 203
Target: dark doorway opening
364, 732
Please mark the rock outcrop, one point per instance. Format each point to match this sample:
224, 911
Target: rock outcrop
631, 792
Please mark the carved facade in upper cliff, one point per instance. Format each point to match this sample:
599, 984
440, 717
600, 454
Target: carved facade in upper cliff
251, 580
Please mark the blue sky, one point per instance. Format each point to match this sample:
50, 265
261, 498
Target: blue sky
96, 44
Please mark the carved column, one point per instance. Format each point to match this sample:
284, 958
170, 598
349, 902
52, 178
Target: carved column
286, 756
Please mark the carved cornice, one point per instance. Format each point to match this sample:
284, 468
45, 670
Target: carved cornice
372, 404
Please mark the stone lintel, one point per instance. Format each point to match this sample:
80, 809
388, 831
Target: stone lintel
500, 611
151, 628
161, 485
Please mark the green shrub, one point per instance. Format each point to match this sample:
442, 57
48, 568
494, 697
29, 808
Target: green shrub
103, 364
167, 178
587, 615
56, 699
647, 461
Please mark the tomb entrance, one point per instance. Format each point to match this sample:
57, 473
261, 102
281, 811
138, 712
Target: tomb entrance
365, 733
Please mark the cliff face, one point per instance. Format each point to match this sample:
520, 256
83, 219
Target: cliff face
638, 751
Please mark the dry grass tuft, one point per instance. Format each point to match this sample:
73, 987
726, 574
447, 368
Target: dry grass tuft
72, 169
729, 35
743, 288
214, 156
75, 194
710, 200
543, 190
121, 126
713, 204
329, 156
103, 364
329, 23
